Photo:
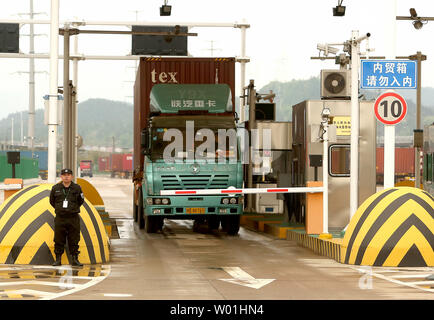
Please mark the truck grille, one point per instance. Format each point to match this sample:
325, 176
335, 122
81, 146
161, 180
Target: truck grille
190, 182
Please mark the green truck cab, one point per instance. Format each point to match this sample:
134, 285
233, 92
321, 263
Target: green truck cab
191, 144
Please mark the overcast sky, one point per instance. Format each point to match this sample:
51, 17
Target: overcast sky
282, 38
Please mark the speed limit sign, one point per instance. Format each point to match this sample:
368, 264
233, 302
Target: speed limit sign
390, 108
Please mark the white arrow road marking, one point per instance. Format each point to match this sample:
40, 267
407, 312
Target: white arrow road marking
244, 279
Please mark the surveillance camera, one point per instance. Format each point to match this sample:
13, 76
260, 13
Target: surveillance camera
165, 10
339, 11
325, 113
327, 49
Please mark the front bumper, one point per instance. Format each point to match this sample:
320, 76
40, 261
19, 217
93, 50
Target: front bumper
210, 205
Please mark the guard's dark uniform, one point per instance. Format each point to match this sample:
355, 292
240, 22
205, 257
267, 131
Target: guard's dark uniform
67, 220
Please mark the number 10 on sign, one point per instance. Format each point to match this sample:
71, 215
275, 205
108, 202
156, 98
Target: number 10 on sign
390, 108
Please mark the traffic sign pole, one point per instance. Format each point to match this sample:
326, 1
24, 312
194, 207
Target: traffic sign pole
389, 130
354, 163
52, 110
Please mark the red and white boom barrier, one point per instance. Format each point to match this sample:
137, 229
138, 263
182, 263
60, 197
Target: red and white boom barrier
241, 191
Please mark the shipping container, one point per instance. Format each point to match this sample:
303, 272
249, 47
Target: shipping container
116, 162
40, 155
103, 164
127, 162
26, 169
170, 70
404, 163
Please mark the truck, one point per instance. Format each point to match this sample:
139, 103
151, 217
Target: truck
86, 168
121, 165
190, 98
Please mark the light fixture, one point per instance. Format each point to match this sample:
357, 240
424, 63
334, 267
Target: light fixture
165, 10
339, 10
417, 24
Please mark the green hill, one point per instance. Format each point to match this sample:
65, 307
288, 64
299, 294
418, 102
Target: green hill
295, 91
99, 119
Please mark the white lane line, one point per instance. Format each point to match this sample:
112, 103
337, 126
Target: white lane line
117, 295
421, 282
410, 276
402, 283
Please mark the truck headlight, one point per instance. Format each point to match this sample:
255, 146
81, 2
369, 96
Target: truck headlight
233, 200
157, 201
149, 201
165, 201
225, 200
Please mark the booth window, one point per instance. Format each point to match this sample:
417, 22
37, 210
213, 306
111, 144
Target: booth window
339, 160
428, 167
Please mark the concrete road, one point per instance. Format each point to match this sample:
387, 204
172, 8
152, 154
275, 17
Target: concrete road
181, 264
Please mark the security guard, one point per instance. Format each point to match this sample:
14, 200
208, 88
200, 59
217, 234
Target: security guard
66, 198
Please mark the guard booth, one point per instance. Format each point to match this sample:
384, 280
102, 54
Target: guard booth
274, 170
307, 152
428, 159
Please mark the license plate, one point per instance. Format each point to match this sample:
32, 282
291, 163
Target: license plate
195, 210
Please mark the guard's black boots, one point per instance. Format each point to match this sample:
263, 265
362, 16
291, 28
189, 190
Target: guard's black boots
75, 262
58, 260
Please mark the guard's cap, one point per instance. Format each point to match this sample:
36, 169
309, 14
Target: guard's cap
66, 171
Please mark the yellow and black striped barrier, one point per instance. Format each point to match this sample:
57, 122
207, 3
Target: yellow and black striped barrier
27, 230
392, 228
327, 248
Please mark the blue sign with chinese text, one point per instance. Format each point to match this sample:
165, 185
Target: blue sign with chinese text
388, 74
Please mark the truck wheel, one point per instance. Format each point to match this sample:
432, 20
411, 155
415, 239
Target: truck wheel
213, 222
233, 225
196, 224
225, 223
161, 223
151, 224
140, 211
135, 207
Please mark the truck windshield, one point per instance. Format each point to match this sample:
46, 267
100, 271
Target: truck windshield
214, 138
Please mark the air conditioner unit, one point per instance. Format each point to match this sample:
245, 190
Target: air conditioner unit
335, 84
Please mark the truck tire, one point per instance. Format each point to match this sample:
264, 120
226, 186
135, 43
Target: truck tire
135, 207
140, 212
213, 222
152, 224
233, 225
161, 223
